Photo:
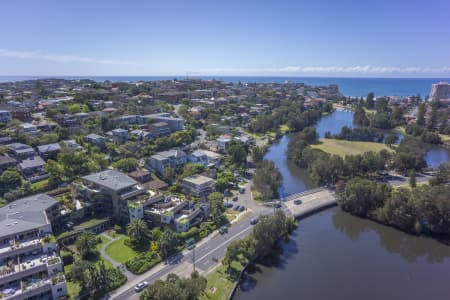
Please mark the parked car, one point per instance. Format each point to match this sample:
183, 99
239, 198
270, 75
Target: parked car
253, 221
242, 190
140, 286
298, 202
235, 199
237, 207
242, 208
228, 205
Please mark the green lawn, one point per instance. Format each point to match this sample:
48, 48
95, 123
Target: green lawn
220, 282
343, 147
90, 223
120, 252
40, 185
104, 241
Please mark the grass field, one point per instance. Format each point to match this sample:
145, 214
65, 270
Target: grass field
220, 282
120, 252
343, 147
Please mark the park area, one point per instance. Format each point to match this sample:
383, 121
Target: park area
344, 147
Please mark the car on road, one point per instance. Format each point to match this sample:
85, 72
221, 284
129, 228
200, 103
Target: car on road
253, 221
190, 247
140, 286
235, 199
223, 230
298, 202
242, 190
277, 205
237, 207
242, 208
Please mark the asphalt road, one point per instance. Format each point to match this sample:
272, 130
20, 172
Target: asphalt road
207, 254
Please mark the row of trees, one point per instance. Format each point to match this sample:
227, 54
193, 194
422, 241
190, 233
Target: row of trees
175, 287
267, 180
261, 241
424, 209
357, 134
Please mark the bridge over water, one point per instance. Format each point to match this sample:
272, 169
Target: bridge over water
308, 202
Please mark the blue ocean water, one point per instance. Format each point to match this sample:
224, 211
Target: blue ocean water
348, 86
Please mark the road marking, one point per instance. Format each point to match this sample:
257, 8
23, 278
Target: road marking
222, 244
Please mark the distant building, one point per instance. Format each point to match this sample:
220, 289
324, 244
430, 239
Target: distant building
20, 151
28, 128
198, 185
71, 144
95, 140
440, 91
5, 116
49, 150
29, 262
159, 129
120, 135
7, 162
166, 159
33, 169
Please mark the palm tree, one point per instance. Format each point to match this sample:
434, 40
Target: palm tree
138, 231
85, 243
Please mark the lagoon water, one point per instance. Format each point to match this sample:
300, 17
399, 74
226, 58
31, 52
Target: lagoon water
333, 255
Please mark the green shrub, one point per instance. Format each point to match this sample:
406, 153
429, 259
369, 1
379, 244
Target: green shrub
67, 258
142, 262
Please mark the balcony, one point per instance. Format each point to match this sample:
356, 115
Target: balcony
28, 290
28, 267
21, 246
134, 192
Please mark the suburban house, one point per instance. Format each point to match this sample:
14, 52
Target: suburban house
159, 129
198, 185
120, 135
28, 128
7, 162
223, 143
30, 267
95, 140
199, 157
5, 116
71, 144
166, 159
49, 150
33, 169
20, 151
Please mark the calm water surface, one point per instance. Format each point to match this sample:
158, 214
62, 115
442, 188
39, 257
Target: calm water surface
333, 255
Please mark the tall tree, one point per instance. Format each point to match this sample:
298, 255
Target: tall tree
85, 244
138, 231
216, 207
268, 180
370, 103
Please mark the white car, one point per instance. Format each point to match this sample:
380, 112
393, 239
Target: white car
140, 286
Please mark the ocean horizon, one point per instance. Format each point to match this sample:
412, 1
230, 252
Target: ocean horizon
348, 86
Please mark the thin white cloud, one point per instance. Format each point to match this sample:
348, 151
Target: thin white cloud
330, 70
60, 58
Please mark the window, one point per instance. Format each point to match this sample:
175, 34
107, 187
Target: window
59, 289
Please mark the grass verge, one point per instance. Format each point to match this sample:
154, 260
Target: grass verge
221, 282
343, 147
120, 252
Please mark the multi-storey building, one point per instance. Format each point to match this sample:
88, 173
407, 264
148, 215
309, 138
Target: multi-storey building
112, 192
440, 91
166, 159
198, 185
30, 267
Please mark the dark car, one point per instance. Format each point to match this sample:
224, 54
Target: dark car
237, 207
298, 202
223, 230
253, 221
242, 208
242, 190
235, 199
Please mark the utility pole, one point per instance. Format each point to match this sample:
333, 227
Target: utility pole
193, 258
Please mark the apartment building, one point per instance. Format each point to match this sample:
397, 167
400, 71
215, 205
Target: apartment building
166, 159
30, 266
440, 91
198, 185
112, 192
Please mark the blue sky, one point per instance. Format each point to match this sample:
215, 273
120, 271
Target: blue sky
391, 38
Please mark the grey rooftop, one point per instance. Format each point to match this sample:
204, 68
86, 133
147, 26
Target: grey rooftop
25, 214
111, 179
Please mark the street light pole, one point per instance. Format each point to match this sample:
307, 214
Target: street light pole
193, 258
